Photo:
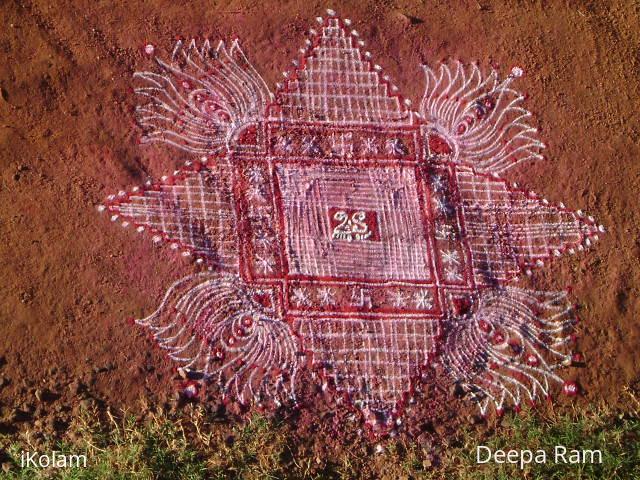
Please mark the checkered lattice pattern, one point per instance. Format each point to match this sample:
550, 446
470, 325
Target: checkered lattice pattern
337, 85
506, 228
195, 213
372, 360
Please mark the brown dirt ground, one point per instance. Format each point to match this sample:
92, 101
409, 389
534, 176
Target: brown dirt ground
70, 278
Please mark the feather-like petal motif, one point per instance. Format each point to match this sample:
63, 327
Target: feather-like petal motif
204, 100
477, 120
508, 350
215, 329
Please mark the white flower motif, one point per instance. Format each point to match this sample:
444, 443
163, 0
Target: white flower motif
452, 275
399, 299
263, 240
327, 296
300, 297
370, 146
310, 145
396, 147
423, 299
437, 183
451, 257
441, 205
284, 144
264, 264
254, 174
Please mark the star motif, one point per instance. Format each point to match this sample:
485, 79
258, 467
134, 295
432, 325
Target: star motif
452, 275
441, 205
263, 241
399, 299
310, 145
327, 296
423, 300
284, 144
370, 146
265, 264
437, 183
395, 146
451, 257
254, 175
300, 297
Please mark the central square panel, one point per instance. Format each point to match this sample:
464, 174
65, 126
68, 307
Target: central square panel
353, 222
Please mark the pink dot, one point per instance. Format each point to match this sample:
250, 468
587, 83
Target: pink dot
570, 388
190, 390
517, 71
149, 49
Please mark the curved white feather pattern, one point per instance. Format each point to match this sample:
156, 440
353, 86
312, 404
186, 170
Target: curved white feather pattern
480, 118
202, 98
211, 326
534, 329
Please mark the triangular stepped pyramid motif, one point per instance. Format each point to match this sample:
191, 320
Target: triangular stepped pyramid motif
332, 83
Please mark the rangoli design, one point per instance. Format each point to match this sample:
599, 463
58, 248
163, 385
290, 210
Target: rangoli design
343, 232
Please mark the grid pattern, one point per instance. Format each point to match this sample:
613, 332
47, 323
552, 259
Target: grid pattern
372, 360
309, 193
336, 85
504, 228
196, 211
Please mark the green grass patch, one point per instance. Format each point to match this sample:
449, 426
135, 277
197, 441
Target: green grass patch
188, 445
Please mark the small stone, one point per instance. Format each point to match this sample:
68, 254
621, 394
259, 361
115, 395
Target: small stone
407, 20
6, 467
76, 387
474, 419
53, 424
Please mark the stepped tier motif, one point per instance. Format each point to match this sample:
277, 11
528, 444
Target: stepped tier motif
338, 230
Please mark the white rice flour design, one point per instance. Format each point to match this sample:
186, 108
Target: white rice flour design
341, 231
